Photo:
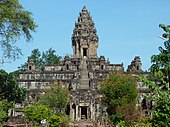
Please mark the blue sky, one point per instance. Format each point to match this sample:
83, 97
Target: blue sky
126, 28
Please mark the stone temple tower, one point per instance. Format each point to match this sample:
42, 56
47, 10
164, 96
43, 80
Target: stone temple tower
136, 65
81, 74
84, 38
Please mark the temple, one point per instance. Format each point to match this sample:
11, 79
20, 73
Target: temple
80, 73
84, 38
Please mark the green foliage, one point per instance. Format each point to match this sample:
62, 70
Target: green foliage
41, 59
160, 68
3, 115
161, 112
64, 118
144, 122
15, 21
35, 55
56, 98
4, 106
36, 113
51, 107
120, 95
50, 57
160, 73
119, 86
9, 88
122, 124
55, 121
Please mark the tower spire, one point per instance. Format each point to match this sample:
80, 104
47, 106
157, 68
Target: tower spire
84, 8
84, 37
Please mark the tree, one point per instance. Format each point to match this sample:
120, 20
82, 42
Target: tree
15, 21
41, 59
3, 115
56, 98
4, 106
160, 73
36, 56
9, 88
160, 69
36, 113
120, 94
50, 57
55, 121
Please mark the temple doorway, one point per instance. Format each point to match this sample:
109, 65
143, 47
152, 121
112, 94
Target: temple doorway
84, 112
84, 52
67, 111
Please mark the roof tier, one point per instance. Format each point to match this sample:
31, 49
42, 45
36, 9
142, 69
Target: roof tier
85, 27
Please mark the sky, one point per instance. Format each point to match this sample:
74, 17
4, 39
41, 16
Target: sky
126, 28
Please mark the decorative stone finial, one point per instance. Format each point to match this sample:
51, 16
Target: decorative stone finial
84, 8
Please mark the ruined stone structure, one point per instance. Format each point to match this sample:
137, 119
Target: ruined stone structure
135, 65
80, 73
135, 69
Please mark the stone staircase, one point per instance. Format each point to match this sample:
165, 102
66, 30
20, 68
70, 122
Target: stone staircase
85, 123
84, 80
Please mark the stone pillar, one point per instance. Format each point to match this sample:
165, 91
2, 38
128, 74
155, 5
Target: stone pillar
71, 112
88, 54
91, 110
74, 52
77, 117
81, 53
87, 112
79, 113
77, 49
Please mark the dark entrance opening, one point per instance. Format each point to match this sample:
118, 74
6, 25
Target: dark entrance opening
144, 106
67, 110
67, 66
84, 51
102, 67
30, 68
137, 67
84, 112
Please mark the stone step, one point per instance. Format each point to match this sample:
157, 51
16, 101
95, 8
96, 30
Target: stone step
84, 77
85, 124
84, 80
84, 83
84, 87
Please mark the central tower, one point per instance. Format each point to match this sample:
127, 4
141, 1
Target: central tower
84, 38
